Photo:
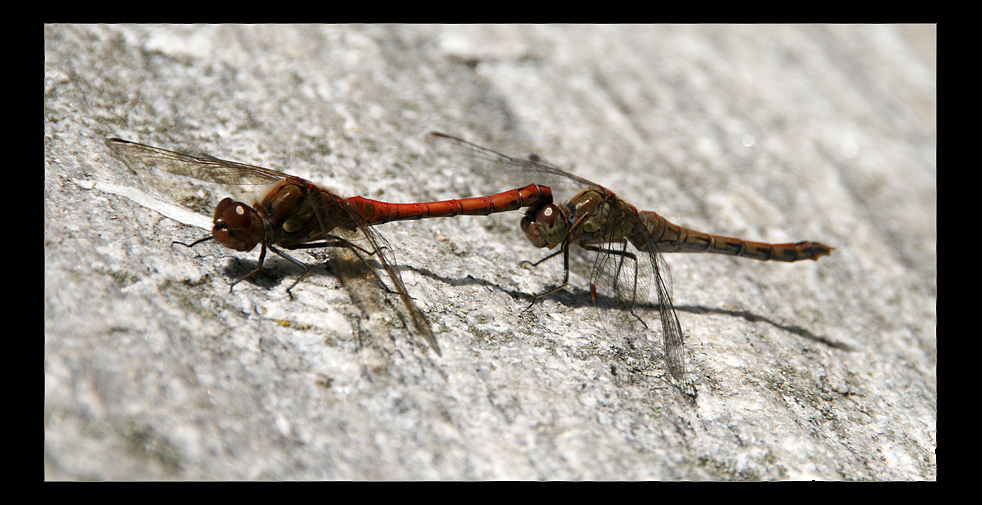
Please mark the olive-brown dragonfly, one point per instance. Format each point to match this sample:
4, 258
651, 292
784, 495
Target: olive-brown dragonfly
628, 244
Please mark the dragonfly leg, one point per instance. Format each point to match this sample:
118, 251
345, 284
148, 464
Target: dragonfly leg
565, 251
341, 242
537, 263
262, 258
196, 242
334, 242
287, 257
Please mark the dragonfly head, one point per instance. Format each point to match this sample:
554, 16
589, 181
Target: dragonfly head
237, 226
545, 226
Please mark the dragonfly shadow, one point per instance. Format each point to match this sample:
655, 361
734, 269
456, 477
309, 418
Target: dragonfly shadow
574, 297
269, 277
744, 314
470, 280
275, 271
756, 318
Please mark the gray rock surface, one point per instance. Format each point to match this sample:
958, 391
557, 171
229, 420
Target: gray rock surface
826, 370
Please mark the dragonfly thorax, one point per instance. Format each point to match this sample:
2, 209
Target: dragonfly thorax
590, 207
290, 218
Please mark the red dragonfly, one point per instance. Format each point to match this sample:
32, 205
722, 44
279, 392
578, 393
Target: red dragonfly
298, 214
628, 244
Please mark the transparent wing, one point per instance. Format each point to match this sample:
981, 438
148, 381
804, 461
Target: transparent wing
620, 285
140, 157
623, 271
361, 239
501, 169
367, 240
621, 278
671, 328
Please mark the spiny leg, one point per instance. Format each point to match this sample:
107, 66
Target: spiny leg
299, 263
565, 252
355, 248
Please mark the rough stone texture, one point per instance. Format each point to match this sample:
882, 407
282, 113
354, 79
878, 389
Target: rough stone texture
822, 370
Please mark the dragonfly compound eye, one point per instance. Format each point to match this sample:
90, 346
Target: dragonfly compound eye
238, 217
234, 226
551, 224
